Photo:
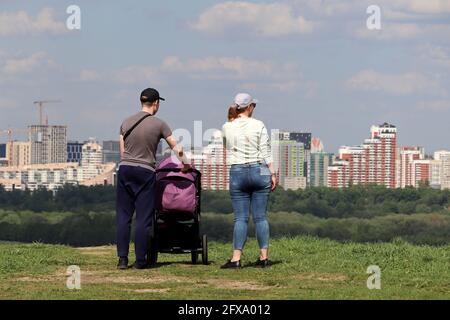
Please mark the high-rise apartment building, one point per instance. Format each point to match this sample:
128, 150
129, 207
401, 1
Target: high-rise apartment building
373, 162
317, 146
2, 150
48, 144
74, 151
357, 163
339, 174
91, 159
421, 173
289, 162
300, 137
384, 143
212, 163
443, 158
407, 156
21, 153
320, 161
111, 152
436, 173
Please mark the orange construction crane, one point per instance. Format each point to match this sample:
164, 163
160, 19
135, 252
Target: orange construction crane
9, 132
40, 105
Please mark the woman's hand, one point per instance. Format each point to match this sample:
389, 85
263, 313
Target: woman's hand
274, 182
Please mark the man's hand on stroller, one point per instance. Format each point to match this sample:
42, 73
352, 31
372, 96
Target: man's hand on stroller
186, 168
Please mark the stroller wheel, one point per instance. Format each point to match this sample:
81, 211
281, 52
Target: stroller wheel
205, 249
194, 257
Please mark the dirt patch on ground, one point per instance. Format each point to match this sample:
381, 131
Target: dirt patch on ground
236, 285
138, 280
102, 277
155, 277
97, 251
147, 290
321, 276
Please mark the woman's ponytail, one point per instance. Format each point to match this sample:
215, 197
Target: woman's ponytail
233, 113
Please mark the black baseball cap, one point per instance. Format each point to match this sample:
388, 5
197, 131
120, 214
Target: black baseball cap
150, 95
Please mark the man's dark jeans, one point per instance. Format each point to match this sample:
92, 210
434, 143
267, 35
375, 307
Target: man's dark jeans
135, 192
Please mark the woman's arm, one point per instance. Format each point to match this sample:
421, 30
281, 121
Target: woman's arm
265, 149
266, 152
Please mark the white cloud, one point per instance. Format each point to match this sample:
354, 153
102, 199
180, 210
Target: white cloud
396, 84
403, 30
421, 6
253, 73
219, 67
436, 54
327, 8
20, 23
88, 75
137, 75
401, 19
391, 31
18, 66
267, 20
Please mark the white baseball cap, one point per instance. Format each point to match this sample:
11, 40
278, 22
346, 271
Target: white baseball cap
243, 100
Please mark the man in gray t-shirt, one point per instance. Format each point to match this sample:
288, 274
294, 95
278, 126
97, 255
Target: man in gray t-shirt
139, 138
142, 143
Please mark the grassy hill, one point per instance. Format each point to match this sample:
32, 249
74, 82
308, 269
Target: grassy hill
305, 268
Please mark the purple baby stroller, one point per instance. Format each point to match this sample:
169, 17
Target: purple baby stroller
176, 223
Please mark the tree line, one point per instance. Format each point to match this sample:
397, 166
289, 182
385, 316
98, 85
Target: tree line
356, 201
92, 229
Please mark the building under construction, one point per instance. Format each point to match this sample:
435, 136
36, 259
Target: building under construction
48, 144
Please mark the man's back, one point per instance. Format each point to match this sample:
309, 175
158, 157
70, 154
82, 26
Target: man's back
141, 144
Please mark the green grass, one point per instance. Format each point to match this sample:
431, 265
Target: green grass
305, 268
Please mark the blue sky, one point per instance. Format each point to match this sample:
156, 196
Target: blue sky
313, 64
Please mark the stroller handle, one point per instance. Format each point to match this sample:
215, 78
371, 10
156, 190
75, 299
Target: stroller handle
177, 170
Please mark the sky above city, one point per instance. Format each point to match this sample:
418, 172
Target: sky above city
313, 65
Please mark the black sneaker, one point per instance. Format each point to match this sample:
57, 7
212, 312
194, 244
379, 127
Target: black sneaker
123, 263
141, 266
262, 263
231, 265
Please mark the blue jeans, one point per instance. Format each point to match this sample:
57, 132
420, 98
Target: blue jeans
135, 192
250, 186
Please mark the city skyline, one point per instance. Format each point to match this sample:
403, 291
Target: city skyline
49, 159
319, 71
3, 139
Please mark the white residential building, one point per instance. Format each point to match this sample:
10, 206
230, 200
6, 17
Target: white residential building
211, 161
91, 159
443, 158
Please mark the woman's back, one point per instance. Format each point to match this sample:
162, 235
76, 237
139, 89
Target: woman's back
247, 141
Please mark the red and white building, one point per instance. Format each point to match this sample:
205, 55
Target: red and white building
383, 158
339, 174
421, 172
406, 165
357, 166
372, 162
212, 163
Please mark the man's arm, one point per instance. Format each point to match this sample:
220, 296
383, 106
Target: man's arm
122, 146
179, 152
